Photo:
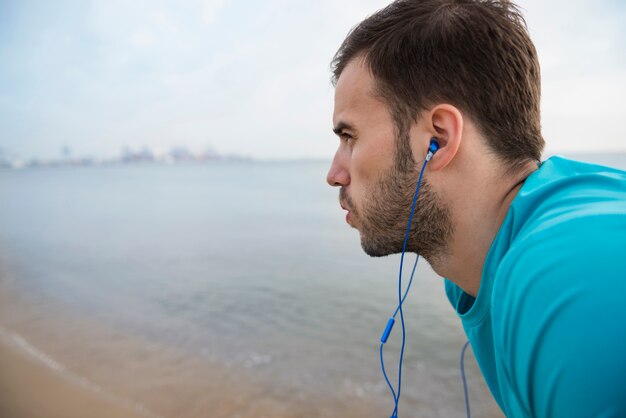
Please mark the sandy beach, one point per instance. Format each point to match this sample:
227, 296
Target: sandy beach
55, 365
33, 384
30, 389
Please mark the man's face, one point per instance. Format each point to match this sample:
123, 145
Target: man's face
377, 185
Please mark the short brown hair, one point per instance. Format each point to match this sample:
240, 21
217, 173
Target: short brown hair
473, 54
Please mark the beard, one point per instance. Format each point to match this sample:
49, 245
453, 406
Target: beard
384, 214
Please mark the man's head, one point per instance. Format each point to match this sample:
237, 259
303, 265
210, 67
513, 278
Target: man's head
377, 174
471, 60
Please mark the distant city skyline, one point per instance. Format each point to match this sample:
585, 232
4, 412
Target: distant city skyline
252, 78
127, 155
66, 151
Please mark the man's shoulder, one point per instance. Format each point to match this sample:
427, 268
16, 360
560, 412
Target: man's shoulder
573, 235
560, 284
563, 175
565, 201
569, 236
575, 250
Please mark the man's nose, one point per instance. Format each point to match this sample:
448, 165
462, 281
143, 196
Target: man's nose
338, 174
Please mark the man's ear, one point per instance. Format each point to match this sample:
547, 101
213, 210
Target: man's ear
445, 123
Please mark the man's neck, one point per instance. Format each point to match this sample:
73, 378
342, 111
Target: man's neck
477, 219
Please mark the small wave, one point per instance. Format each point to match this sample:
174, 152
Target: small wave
256, 359
16, 340
362, 390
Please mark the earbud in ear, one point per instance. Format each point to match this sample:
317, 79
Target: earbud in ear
432, 148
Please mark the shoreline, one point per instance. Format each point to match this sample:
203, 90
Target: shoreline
57, 363
31, 388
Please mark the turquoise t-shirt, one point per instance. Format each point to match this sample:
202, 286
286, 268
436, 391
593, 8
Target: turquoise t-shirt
547, 327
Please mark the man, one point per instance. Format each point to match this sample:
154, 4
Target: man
534, 254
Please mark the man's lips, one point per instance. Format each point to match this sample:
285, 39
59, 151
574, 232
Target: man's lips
344, 207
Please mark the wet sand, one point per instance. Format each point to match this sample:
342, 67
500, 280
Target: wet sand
30, 389
57, 365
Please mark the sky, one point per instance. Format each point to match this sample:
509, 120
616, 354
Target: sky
252, 77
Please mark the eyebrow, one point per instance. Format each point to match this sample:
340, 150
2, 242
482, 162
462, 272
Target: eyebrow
341, 126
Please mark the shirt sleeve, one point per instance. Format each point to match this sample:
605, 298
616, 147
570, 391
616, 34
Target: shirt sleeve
559, 327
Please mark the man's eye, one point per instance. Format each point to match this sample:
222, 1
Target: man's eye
346, 137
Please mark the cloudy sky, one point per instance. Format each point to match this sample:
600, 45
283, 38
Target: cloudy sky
251, 77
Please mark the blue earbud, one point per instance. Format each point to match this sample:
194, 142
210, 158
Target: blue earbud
432, 148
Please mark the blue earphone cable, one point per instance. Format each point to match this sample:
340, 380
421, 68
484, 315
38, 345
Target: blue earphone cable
396, 397
432, 149
467, 406
382, 360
